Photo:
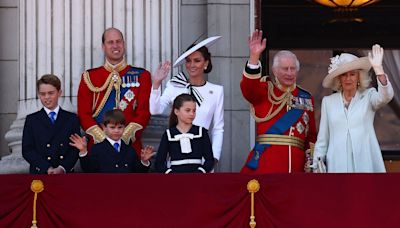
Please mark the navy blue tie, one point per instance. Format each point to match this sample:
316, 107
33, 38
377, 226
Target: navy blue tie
116, 146
52, 116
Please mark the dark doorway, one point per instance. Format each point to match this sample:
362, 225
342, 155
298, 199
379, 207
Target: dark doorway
315, 33
292, 24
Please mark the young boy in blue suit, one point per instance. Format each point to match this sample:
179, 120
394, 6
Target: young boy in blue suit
112, 155
45, 139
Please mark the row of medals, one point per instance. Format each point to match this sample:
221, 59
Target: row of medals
130, 81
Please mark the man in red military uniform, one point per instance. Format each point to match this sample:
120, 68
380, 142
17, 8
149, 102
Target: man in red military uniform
284, 113
115, 85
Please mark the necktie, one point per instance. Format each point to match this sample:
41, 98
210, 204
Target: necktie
116, 146
52, 116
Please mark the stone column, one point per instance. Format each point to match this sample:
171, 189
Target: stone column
63, 37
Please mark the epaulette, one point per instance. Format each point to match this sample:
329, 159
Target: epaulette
138, 68
303, 90
94, 69
265, 78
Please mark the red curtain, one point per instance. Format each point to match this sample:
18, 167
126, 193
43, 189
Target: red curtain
196, 200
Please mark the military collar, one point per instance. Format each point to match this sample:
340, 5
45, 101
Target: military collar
117, 67
280, 87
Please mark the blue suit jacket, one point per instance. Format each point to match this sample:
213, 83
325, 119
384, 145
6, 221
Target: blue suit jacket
104, 159
45, 144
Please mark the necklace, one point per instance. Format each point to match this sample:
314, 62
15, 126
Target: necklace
346, 101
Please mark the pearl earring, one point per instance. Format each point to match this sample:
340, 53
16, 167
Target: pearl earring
205, 68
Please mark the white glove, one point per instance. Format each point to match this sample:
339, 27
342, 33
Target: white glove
376, 59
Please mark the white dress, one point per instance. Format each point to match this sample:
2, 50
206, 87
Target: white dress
210, 110
346, 138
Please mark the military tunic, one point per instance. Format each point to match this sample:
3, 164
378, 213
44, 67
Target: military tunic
285, 124
126, 88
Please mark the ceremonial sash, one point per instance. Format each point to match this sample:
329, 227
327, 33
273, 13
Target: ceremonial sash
110, 103
278, 128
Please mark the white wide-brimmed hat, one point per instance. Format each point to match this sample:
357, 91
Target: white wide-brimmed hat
343, 63
207, 42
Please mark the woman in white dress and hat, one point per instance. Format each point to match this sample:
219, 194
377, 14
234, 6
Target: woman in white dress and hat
209, 97
346, 140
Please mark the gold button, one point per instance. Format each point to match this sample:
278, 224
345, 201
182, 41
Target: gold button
61, 157
49, 158
48, 145
116, 166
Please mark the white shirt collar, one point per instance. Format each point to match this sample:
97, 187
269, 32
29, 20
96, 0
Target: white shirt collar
56, 110
112, 142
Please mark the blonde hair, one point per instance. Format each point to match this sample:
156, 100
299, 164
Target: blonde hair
364, 77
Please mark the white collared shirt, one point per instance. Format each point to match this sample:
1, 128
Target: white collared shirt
56, 110
113, 142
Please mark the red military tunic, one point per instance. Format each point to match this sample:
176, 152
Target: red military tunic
98, 86
277, 158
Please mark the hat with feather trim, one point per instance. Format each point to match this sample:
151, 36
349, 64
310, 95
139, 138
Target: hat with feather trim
343, 63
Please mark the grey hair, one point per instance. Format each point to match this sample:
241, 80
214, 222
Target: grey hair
365, 81
285, 54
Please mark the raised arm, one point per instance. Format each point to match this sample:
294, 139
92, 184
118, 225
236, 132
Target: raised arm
385, 89
252, 88
159, 102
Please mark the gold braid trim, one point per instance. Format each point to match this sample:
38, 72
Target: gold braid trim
130, 131
113, 80
91, 87
282, 101
251, 76
97, 133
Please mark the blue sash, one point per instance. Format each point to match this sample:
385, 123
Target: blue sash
110, 103
278, 128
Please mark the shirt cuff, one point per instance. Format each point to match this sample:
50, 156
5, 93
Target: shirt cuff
147, 164
380, 83
82, 154
62, 168
202, 170
156, 90
168, 171
254, 66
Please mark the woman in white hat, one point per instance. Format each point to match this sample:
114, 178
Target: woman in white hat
209, 97
346, 140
